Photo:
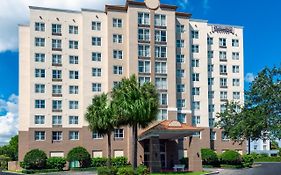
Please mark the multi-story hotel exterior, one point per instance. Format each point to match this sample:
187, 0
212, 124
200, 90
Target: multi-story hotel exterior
67, 57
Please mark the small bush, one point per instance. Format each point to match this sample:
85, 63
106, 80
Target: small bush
119, 161
99, 162
35, 159
125, 171
56, 163
231, 157
142, 170
4, 162
184, 161
80, 154
209, 157
247, 160
107, 170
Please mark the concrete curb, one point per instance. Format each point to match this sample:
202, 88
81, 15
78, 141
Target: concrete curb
215, 172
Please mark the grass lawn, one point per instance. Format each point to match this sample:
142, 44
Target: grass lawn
182, 173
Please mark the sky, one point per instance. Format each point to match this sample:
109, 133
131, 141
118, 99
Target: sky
262, 36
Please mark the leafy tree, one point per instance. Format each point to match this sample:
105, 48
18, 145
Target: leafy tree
35, 159
100, 116
80, 154
274, 145
11, 150
136, 105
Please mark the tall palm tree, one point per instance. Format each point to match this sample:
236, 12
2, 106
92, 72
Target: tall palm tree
136, 105
100, 116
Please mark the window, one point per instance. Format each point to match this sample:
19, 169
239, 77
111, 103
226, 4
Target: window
223, 108
224, 136
211, 108
144, 66
211, 81
39, 119
117, 38
162, 114
96, 72
210, 41
235, 43
195, 48
96, 41
118, 133
96, 56
222, 55
195, 34
96, 25
73, 104
118, 54
97, 135
73, 135
223, 95
73, 74
195, 76
73, 29
143, 34
73, 44
223, 69
181, 117
180, 73
117, 70
161, 67
144, 50
196, 91
143, 18
196, 105
39, 135
236, 82
180, 43
210, 68
57, 135
56, 74
163, 99
211, 122
161, 83
39, 104
160, 51
39, 26
196, 120
213, 135
56, 59
39, 57
211, 94
57, 89
73, 89
40, 42
210, 54
117, 22
39, 88
96, 87
195, 63
197, 134
143, 80
57, 120
73, 59
236, 95
56, 44
235, 55
223, 82
180, 88
180, 28
160, 35
181, 103
222, 42
56, 104
160, 20
56, 29
73, 120
180, 58
235, 69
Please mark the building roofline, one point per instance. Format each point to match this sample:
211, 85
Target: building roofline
199, 20
23, 25
228, 25
92, 10
183, 14
54, 9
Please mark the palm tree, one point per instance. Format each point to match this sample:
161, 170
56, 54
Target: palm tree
100, 116
136, 105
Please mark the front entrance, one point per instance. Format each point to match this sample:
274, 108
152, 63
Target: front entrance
163, 154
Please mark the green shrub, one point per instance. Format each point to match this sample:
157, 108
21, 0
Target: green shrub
84, 169
107, 170
119, 161
35, 159
184, 161
209, 157
142, 170
247, 160
39, 171
80, 154
56, 163
268, 159
4, 162
231, 157
126, 171
279, 153
99, 162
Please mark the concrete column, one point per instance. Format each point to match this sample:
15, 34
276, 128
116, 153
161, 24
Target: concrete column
154, 162
194, 156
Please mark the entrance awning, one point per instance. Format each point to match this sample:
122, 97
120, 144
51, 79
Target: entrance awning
168, 129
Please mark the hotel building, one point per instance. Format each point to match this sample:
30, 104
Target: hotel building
67, 57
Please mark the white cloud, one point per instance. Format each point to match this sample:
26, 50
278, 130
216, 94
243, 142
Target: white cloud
250, 77
183, 4
14, 12
9, 120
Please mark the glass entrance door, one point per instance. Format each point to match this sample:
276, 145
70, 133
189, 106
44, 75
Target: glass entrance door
163, 154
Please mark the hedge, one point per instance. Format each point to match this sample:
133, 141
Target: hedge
209, 157
80, 154
34, 159
231, 157
56, 163
101, 161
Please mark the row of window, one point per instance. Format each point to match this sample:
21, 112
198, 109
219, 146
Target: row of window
56, 104
223, 55
223, 94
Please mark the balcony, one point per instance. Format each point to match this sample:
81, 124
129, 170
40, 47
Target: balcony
56, 79
56, 95
57, 110
223, 86
57, 64
56, 33
56, 49
223, 59
224, 47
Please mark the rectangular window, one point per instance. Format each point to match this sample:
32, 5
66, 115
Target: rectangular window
210, 54
144, 50
211, 81
210, 41
57, 135
39, 135
161, 67
73, 59
211, 108
196, 91
213, 135
160, 35
160, 51
73, 74
223, 69
39, 42
96, 25
181, 103
57, 105
96, 72
96, 56
235, 55
56, 44
180, 43
180, 88
195, 76
144, 66
180, 28
180, 58
143, 80
223, 95
117, 22
57, 89
73, 44
196, 120
224, 136
73, 89
162, 114
56, 29
235, 69
143, 18
39, 88
56, 74
236, 95
117, 38
196, 105
118, 54
181, 117
223, 108
195, 62
180, 73
117, 70
56, 60
39, 119
211, 122
39, 26
222, 55
96, 41
73, 29
118, 133
236, 82
57, 120
211, 94
161, 83
96, 87
97, 135
235, 43
39, 104
163, 99
143, 34
160, 20
39, 57
223, 82
195, 34
73, 104
210, 68
195, 48
222, 42
73, 135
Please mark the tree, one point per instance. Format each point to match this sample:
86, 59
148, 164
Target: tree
136, 105
11, 150
80, 154
274, 145
100, 116
35, 159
